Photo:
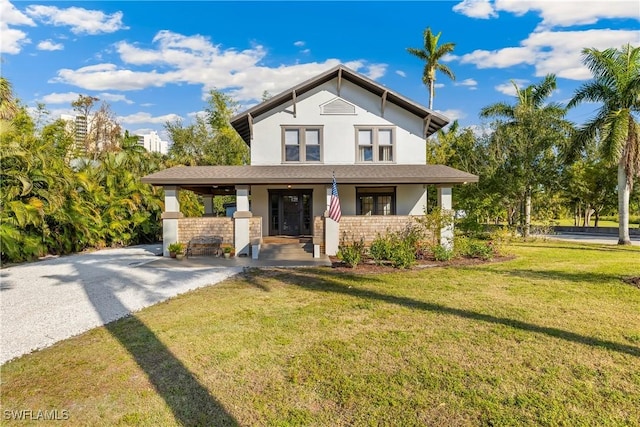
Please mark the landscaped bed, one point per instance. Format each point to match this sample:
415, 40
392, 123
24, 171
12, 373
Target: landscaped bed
548, 337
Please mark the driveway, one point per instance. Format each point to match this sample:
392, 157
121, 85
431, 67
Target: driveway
47, 301
603, 239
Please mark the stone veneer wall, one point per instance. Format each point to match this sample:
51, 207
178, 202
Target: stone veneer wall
255, 228
318, 232
188, 228
368, 227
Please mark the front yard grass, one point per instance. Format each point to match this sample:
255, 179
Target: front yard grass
551, 337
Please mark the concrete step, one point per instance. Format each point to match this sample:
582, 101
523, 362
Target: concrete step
286, 251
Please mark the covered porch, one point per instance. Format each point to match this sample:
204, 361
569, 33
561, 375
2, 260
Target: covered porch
293, 200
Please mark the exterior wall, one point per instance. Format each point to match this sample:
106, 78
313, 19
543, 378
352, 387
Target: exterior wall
411, 199
260, 201
368, 227
339, 136
255, 228
188, 228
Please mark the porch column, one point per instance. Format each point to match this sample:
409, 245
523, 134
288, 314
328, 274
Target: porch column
241, 221
208, 205
445, 203
170, 218
331, 230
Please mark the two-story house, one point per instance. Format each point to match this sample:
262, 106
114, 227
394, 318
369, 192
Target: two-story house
340, 123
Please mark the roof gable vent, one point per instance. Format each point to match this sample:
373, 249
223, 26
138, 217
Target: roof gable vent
337, 106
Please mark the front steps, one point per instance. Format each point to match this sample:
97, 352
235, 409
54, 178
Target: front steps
285, 248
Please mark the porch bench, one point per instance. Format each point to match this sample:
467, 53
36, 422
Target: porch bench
204, 245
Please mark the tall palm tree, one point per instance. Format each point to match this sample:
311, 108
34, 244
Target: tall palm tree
527, 138
615, 84
431, 54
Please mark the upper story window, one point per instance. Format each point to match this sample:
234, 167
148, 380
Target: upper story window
375, 144
302, 144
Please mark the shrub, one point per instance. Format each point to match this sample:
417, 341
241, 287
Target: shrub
381, 248
403, 254
440, 253
351, 253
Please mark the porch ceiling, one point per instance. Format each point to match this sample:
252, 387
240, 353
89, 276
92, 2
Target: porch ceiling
210, 176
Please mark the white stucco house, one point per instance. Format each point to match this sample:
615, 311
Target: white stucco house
339, 123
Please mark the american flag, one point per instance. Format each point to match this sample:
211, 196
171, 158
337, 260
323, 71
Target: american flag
334, 206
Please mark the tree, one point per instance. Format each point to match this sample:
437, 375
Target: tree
431, 54
211, 140
528, 140
615, 84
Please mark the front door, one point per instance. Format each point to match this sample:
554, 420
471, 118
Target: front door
290, 212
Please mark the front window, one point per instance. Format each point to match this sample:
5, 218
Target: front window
302, 144
376, 201
375, 144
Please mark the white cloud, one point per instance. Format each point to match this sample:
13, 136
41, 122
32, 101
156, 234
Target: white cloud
196, 60
81, 21
438, 85
299, 43
568, 13
306, 51
114, 97
12, 16
470, 83
556, 52
11, 39
60, 98
564, 13
50, 45
476, 9
147, 118
508, 88
452, 114
401, 73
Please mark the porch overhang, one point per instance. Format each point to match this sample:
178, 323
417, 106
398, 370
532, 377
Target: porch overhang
220, 180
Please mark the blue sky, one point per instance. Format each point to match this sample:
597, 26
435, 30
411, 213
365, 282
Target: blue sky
154, 61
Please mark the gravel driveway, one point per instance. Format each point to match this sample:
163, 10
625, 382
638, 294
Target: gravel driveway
47, 301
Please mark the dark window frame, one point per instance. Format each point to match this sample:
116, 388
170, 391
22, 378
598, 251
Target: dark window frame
376, 193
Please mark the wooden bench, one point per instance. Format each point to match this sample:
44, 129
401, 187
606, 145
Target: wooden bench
204, 245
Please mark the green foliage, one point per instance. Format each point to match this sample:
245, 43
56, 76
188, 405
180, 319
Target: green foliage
352, 252
473, 248
54, 202
440, 253
176, 248
210, 140
381, 248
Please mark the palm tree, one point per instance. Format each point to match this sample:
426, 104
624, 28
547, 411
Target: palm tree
527, 138
615, 84
431, 54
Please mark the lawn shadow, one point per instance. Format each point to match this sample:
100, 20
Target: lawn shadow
189, 401
580, 246
256, 276
330, 283
573, 276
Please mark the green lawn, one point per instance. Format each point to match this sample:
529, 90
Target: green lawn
551, 337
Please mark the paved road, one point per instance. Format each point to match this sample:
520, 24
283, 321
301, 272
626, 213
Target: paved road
591, 238
47, 301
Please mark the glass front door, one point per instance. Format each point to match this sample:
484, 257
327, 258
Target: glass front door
290, 212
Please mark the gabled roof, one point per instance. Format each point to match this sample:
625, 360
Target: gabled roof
242, 123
